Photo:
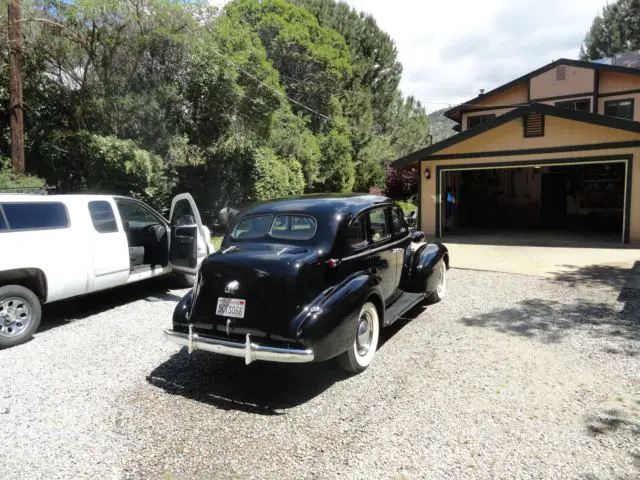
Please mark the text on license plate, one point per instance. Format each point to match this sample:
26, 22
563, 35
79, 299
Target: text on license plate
230, 307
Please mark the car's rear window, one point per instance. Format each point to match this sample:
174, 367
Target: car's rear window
294, 227
255, 226
283, 226
39, 215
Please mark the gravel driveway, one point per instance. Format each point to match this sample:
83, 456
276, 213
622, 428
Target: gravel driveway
509, 377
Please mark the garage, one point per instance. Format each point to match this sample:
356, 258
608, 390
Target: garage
546, 201
537, 175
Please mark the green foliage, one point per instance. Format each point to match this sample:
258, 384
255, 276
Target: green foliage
275, 177
291, 138
337, 173
16, 182
370, 171
260, 99
407, 206
376, 69
86, 162
616, 30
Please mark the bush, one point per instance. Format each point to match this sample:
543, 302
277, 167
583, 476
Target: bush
275, 176
17, 182
407, 207
81, 161
401, 184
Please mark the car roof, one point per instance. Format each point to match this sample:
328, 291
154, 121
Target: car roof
317, 204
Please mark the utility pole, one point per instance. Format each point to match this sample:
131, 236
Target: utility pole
16, 119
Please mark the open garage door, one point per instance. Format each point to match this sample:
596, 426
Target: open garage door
549, 201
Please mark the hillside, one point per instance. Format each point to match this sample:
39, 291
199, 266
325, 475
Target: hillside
441, 126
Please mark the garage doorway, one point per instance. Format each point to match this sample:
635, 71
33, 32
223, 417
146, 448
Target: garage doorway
538, 203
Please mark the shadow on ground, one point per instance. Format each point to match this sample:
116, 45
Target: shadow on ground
601, 275
551, 320
227, 383
260, 388
63, 312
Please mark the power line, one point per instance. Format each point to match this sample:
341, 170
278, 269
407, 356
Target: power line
309, 109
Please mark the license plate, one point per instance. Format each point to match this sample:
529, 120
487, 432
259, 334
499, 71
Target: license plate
230, 307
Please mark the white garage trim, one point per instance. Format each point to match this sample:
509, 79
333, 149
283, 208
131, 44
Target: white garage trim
626, 159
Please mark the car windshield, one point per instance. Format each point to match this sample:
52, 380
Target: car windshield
284, 226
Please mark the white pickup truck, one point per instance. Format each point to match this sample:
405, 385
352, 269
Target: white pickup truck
54, 247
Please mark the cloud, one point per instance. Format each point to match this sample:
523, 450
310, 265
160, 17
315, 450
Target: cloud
450, 50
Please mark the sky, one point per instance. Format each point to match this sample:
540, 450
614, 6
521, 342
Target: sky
450, 49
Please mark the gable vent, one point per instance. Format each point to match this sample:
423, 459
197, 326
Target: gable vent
561, 73
534, 125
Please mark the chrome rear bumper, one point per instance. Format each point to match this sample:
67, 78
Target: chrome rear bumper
250, 351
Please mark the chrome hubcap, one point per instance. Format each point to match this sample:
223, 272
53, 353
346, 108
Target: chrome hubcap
15, 316
365, 333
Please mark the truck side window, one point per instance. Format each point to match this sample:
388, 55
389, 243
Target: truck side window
102, 216
36, 215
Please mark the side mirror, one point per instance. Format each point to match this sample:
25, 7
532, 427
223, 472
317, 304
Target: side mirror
417, 237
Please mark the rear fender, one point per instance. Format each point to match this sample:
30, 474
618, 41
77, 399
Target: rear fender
327, 325
181, 312
418, 267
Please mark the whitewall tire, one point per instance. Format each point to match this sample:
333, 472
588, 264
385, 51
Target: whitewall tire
365, 344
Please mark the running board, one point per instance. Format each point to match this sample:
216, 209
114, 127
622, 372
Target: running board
401, 306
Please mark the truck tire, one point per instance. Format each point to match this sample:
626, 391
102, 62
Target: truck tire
184, 280
20, 314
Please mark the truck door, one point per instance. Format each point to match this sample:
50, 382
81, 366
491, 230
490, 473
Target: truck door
189, 242
110, 251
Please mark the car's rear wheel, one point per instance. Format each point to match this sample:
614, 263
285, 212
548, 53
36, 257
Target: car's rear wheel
365, 344
20, 314
441, 289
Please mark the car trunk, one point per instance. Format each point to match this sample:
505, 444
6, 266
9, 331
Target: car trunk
273, 281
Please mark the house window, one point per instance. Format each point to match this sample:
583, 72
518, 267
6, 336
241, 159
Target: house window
478, 119
619, 108
534, 125
583, 105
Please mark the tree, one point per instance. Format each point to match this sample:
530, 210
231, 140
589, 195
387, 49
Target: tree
15, 86
616, 30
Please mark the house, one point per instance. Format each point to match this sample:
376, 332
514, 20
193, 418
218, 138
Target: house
554, 151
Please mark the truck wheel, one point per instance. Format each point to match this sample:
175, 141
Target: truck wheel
441, 289
20, 314
184, 280
360, 355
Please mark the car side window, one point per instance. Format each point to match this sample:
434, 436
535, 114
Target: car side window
356, 237
3, 223
398, 225
378, 226
102, 216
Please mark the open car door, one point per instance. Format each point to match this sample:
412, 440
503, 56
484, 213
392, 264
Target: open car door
189, 241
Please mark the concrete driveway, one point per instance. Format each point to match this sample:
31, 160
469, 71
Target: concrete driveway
615, 266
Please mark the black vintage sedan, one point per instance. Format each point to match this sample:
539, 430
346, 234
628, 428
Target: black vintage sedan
309, 279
